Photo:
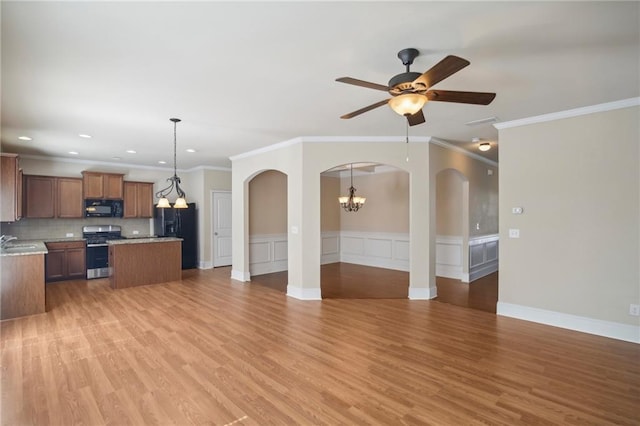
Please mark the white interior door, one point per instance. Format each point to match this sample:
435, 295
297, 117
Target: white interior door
221, 228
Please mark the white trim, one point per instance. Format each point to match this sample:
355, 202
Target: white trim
455, 148
481, 271
264, 149
608, 106
614, 330
422, 293
205, 265
483, 239
304, 293
240, 275
124, 168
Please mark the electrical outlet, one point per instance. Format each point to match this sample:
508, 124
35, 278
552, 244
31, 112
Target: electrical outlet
69, 234
135, 232
514, 233
634, 310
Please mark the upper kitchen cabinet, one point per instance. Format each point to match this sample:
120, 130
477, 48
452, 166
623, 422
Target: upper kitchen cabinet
52, 197
138, 199
11, 188
69, 198
103, 186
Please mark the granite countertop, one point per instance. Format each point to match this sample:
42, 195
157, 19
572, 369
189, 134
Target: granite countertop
23, 248
143, 240
64, 240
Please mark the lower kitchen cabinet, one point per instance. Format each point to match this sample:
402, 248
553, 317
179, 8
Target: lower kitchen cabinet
65, 261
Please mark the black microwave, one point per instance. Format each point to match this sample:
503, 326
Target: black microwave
103, 208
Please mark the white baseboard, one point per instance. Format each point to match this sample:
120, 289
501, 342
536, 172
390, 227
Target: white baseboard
304, 293
450, 271
422, 293
205, 265
482, 270
240, 275
614, 330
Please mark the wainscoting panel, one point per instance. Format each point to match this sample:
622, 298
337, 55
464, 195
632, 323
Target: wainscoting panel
268, 253
377, 249
483, 256
449, 257
330, 247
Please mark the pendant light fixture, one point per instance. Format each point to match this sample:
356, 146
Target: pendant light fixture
351, 203
181, 202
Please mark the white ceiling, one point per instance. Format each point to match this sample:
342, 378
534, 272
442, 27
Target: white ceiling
246, 75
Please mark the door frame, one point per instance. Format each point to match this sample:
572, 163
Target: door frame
212, 218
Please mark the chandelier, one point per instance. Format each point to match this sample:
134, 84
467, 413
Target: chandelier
351, 203
181, 202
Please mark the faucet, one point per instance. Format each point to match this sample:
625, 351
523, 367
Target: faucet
5, 239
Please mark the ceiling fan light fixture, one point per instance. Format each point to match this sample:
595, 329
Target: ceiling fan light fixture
408, 103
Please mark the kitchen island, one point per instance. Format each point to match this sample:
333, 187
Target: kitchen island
143, 261
22, 283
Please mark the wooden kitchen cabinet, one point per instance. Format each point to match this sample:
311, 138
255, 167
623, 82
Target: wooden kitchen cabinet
69, 198
65, 261
103, 186
11, 188
138, 199
39, 196
52, 197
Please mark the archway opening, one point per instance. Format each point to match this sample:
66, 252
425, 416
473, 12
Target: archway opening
365, 253
268, 250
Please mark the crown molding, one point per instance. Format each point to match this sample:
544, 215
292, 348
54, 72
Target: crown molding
463, 151
119, 166
608, 106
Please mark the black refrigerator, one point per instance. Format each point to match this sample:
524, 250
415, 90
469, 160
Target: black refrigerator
181, 223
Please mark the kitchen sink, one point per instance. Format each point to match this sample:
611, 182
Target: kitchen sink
20, 246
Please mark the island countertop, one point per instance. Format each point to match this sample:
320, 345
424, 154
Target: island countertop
143, 240
23, 248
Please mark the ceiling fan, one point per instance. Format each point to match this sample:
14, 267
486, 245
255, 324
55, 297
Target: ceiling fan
411, 90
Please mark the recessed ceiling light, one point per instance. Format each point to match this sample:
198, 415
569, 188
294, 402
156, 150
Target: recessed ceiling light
25, 138
73, 152
162, 162
117, 158
82, 135
191, 150
131, 151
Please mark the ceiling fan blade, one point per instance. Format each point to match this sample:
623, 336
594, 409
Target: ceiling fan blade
443, 69
362, 83
478, 98
417, 118
365, 109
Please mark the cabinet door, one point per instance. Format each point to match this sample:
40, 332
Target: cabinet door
9, 211
145, 199
39, 197
130, 199
113, 187
69, 198
93, 185
76, 263
55, 265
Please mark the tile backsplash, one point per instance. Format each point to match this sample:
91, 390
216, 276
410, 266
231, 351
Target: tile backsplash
42, 229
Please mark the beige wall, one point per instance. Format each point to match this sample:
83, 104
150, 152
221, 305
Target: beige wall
483, 188
387, 205
578, 183
329, 192
449, 203
268, 203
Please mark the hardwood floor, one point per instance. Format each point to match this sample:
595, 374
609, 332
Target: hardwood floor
349, 281
209, 350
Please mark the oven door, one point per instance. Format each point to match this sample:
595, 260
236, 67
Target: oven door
97, 261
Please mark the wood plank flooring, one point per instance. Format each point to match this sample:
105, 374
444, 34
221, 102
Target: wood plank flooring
209, 350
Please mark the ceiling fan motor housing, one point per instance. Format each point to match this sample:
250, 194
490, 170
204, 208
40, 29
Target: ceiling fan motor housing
402, 83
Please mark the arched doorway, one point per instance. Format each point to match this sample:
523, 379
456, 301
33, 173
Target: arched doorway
365, 253
268, 257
